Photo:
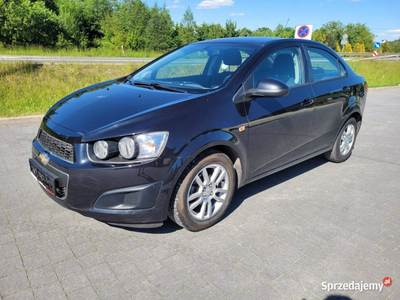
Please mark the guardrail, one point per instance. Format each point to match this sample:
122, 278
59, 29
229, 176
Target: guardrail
369, 56
365, 54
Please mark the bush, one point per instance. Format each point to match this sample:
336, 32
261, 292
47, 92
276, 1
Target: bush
347, 48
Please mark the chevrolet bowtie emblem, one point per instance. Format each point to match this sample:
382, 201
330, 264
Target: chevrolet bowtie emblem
43, 158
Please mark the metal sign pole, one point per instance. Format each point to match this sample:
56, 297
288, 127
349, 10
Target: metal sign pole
344, 41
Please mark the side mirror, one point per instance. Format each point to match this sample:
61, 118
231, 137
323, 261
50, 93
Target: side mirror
270, 87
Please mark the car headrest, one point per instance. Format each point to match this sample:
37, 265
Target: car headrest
283, 66
232, 57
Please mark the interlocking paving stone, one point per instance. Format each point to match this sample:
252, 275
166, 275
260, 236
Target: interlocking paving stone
13, 283
42, 276
281, 238
52, 291
10, 266
87, 293
113, 291
26, 294
71, 284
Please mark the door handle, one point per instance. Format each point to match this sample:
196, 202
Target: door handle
307, 102
346, 89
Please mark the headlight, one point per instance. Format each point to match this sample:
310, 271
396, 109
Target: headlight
105, 149
126, 147
151, 144
142, 146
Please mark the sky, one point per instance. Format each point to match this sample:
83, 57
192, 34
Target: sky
381, 16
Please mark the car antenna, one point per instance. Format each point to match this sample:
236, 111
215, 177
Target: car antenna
284, 27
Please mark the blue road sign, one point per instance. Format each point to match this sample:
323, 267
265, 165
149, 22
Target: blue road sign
377, 45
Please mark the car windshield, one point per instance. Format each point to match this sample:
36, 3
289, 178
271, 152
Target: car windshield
196, 68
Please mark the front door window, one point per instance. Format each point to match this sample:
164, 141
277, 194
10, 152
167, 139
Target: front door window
284, 64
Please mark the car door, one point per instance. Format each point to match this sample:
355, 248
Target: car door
332, 89
279, 128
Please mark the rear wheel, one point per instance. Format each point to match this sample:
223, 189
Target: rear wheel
204, 191
344, 143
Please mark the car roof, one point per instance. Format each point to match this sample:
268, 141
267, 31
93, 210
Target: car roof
260, 41
242, 40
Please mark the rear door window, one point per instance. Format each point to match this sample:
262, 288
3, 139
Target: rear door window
324, 65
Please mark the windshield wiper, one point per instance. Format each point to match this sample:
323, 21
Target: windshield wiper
156, 86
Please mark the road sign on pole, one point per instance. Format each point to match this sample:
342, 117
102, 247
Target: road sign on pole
344, 39
303, 32
377, 45
375, 53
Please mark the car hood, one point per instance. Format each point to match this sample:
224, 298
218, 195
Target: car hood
105, 105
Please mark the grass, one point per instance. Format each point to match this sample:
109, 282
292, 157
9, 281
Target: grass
378, 73
92, 52
31, 89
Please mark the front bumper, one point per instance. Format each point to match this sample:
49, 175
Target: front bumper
130, 195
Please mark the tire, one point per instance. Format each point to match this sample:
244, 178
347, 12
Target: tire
193, 205
347, 136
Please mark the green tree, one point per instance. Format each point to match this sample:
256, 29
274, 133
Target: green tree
176, 41
395, 45
330, 41
230, 29
188, 29
386, 48
126, 25
159, 29
215, 31
319, 35
263, 31
210, 31
81, 21
73, 24
23, 22
280, 31
50, 5
245, 32
336, 28
203, 32
360, 33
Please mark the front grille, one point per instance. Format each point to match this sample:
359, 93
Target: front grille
56, 146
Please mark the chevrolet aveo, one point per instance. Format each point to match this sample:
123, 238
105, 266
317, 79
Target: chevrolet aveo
177, 137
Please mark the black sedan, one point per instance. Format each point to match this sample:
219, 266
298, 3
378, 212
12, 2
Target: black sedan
177, 137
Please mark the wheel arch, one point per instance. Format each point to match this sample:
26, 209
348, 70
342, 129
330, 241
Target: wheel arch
235, 159
227, 146
222, 141
353, 110
355, 113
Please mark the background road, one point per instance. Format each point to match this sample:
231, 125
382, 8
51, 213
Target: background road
124, 60
73, 59
283, 236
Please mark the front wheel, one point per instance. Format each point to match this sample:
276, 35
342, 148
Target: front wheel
344, 143
204, 191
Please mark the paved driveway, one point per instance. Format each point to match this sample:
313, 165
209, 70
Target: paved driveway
284, 235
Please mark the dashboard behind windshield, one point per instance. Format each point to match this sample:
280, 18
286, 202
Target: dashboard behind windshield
197, 68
